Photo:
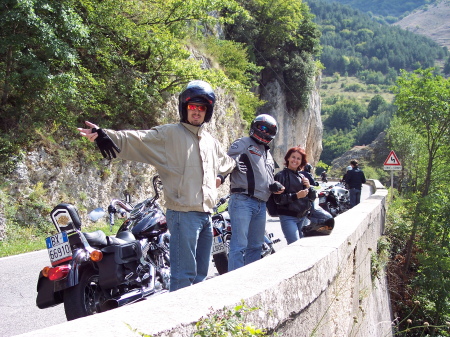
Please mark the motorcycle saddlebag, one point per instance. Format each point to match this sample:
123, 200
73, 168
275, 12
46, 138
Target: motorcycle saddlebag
128, 252
110, 273
112, 266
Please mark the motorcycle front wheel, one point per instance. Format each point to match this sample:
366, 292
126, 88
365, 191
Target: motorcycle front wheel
85, 298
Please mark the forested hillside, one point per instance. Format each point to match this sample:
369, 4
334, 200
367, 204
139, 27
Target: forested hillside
389, 9
353, 42
362, 58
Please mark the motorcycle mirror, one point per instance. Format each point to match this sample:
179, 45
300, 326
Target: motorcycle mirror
96, 214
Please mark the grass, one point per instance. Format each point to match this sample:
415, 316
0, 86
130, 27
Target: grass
27, 239
334, 86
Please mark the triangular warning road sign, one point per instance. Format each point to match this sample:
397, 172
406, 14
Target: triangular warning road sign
392, 160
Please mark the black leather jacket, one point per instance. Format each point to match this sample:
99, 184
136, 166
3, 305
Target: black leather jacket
288, 203
355, 178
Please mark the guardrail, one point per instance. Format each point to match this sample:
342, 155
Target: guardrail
317, 286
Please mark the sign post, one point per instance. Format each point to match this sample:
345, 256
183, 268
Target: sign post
392, 164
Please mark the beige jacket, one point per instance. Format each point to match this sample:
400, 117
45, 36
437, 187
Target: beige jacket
188, 160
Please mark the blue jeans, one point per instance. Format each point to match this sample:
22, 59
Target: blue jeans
292, 227
190, 247
248, 226
355, 196
318, 215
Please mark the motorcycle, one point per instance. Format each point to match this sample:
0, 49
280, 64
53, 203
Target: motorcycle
222, 236
334, 199
93, 272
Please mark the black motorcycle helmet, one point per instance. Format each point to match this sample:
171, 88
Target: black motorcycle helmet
266, 122
308, 168
324, 228
196, 92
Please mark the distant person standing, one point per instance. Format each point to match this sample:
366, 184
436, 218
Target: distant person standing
354, 179
323, 175
345, 175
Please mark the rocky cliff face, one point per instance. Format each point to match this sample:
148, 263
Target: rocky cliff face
89, 185
302, 128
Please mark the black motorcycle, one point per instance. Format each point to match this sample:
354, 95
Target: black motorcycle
334, 199
92, 272
222, 236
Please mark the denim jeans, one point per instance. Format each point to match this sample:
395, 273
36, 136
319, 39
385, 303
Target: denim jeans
190, 247
292, 227
248, 226
317, 215
355, 197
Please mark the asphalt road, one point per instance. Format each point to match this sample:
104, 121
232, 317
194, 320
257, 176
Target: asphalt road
18, 279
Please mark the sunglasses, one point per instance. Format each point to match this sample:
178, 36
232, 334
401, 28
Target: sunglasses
263, 128
196, 107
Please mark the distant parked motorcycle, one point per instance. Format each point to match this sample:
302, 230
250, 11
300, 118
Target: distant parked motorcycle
334, 199
222, 236
92, 272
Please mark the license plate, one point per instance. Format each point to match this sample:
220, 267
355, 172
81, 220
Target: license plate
58, 248
218, 246
322, 200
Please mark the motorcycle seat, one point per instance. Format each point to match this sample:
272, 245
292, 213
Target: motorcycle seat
96, 239
120, 239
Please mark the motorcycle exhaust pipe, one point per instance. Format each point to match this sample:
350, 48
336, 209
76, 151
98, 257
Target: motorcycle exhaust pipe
122, 300
132, 296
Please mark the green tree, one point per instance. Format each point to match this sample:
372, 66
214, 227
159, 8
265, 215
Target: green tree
423, 101
335, 143
62, 61
345, 114
447, 66
403, 138
282, 38
375, 103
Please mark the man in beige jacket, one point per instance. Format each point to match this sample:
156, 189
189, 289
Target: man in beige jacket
189, 161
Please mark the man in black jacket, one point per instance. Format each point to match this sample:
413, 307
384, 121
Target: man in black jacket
355, 178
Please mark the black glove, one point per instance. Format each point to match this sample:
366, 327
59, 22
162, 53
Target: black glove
105, 144
275, 187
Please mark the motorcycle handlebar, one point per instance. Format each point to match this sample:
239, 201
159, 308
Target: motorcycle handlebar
121, 203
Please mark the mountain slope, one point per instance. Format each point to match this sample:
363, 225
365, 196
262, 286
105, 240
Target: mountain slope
385, 8
432, 21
